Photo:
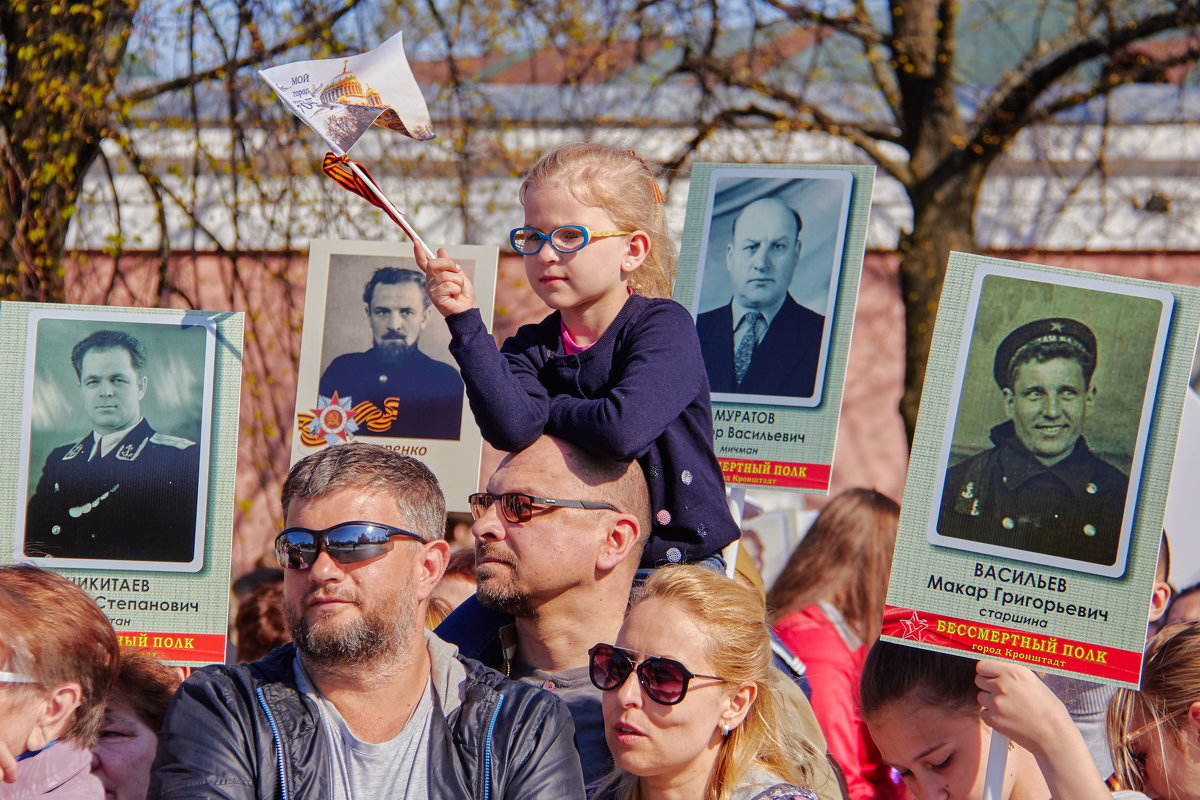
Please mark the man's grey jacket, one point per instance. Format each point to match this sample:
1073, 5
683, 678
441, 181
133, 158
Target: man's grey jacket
247, 732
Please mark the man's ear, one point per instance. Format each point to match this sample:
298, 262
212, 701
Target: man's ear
619, 542
1009, 397
435, 556
141, 384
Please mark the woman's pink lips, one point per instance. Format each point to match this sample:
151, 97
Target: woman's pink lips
626, 732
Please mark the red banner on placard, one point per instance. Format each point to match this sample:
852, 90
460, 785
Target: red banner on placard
207, 648
783, 474
980, 640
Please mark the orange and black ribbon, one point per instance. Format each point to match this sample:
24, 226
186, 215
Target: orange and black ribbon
658, 195
338, 168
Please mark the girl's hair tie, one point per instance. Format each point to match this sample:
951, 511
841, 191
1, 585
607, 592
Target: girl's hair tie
658, 195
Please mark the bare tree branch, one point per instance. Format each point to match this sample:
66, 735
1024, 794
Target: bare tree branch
857, 25
877, 59
1014, 98
310, 31
1142, 73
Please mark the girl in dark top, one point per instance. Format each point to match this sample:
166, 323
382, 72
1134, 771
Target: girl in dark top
933, 715
616, 368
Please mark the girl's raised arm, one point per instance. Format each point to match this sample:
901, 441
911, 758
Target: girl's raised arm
449, 288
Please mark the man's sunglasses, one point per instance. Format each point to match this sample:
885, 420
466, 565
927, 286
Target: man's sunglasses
563, 239
517, 507
346, 543
664, 680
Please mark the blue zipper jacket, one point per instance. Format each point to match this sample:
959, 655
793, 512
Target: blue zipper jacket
247, 732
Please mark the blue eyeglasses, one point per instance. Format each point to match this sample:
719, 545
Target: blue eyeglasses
563, 239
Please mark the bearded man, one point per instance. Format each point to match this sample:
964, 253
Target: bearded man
365, 702
416, 396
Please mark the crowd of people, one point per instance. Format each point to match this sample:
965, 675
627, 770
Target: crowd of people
592, 643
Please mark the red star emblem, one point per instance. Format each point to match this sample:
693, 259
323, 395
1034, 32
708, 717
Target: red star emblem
333, 420
913, 627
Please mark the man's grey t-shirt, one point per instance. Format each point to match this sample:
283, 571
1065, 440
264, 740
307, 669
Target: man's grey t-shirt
392, 769
575, 688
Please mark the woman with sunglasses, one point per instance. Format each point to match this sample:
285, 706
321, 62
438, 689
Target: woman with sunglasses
689, 706
1154, 733
933, 716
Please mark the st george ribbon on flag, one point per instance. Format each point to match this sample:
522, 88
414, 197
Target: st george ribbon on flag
341, 98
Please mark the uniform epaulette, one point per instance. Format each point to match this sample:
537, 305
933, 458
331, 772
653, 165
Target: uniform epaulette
173, 441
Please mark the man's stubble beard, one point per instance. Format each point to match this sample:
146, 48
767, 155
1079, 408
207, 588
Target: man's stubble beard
372, 637
502, 592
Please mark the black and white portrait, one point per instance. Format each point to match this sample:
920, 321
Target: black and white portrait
118, 412
385, 350
1056, 387
767, 285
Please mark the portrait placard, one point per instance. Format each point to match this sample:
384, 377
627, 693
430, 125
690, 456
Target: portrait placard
769, 267
1033, 507
121, 468
375, 363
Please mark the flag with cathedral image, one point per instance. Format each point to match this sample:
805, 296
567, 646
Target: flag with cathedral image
341, 98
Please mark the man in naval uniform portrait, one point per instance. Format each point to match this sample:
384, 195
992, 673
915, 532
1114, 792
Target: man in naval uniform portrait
123, 491
410, 394
1040, 488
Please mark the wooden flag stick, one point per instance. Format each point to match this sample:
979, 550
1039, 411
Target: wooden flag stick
400, 218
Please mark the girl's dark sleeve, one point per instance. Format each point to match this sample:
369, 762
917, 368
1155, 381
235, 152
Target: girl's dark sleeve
509, 403
657, 375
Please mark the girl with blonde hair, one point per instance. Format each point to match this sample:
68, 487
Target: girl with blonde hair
690, 705
1154, 732
616, 368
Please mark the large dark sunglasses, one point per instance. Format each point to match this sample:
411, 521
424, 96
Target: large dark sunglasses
346, 543
563, 239
517, 507
665, 680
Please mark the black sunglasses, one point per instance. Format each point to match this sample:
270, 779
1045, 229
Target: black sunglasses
517, 507
665, 680
346, 543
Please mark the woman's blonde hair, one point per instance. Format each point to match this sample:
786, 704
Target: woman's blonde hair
1170, 684
624, 186
844, 559
737, 645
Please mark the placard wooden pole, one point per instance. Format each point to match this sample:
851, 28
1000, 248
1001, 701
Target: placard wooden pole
993, 782
737, 506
